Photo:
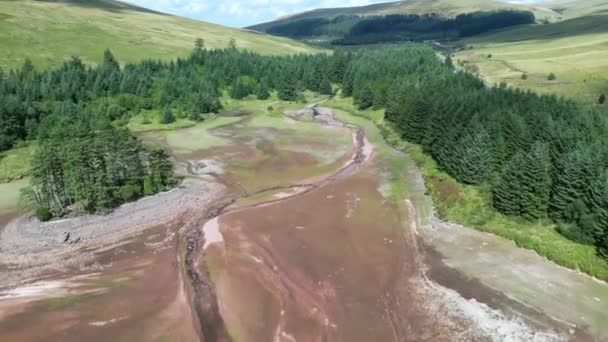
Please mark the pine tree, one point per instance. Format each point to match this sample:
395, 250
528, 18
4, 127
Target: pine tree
365, 98
199, 44
232, 44
598, 198
109, 61
167, 117
475, 157
507, 194
263, 93
325, 87
415, 122
287, 89
536, 182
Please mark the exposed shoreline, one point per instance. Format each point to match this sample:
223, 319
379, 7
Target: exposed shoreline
30, 249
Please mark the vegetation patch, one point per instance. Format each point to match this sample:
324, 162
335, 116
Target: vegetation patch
471, 206
15, 163
11, 192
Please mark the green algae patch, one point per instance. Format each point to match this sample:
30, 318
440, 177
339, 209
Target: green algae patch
9, 201
199, 137
65, 302
15, 163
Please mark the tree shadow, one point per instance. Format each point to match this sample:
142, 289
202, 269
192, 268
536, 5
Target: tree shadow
106, 5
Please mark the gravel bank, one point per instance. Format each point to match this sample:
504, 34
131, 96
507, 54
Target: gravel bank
29, 248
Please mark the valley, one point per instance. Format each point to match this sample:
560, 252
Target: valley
293, 260
420, 170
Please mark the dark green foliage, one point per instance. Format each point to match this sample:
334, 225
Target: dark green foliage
43, 213
232, 44
541, 156
397, 27
287, 90
109, 61
365, 97
84, 160
602, 99
449, 62
551, 77
508, 192
536, 182
325, 87
524, 76
476, 160
167, 117
199, 44
262, 91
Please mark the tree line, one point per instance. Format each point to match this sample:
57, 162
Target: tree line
541, 157
86, 158
354, 30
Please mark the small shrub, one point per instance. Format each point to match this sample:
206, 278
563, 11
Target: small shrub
129, 192
524, 76
551, 77
602, 99
270, 108
43, 213
489, 55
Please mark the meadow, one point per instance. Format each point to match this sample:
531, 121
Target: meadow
574, 50
50, 32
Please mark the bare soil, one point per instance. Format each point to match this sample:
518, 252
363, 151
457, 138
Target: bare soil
294, 255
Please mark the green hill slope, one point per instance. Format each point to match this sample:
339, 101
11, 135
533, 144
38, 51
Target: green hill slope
577, 8
446, 8
574, 49
47, 32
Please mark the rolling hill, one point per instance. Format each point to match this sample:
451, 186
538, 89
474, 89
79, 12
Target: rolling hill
48, 32
445, 8
574, 49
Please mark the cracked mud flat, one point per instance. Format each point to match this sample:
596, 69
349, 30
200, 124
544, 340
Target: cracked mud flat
297, 252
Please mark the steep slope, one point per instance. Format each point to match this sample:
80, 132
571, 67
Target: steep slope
49, 31
447, 8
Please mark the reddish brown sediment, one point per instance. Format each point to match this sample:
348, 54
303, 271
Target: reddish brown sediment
330, 259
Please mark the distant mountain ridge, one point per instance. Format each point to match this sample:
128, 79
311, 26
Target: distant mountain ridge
445, 8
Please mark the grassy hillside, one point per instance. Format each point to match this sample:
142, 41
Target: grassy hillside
47, 32
574, 49
447, 8
569, 9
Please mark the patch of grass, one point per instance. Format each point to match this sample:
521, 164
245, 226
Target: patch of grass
10, 195
62, 303
49, 32
572, 49
198, 136
15, 163
149, 120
